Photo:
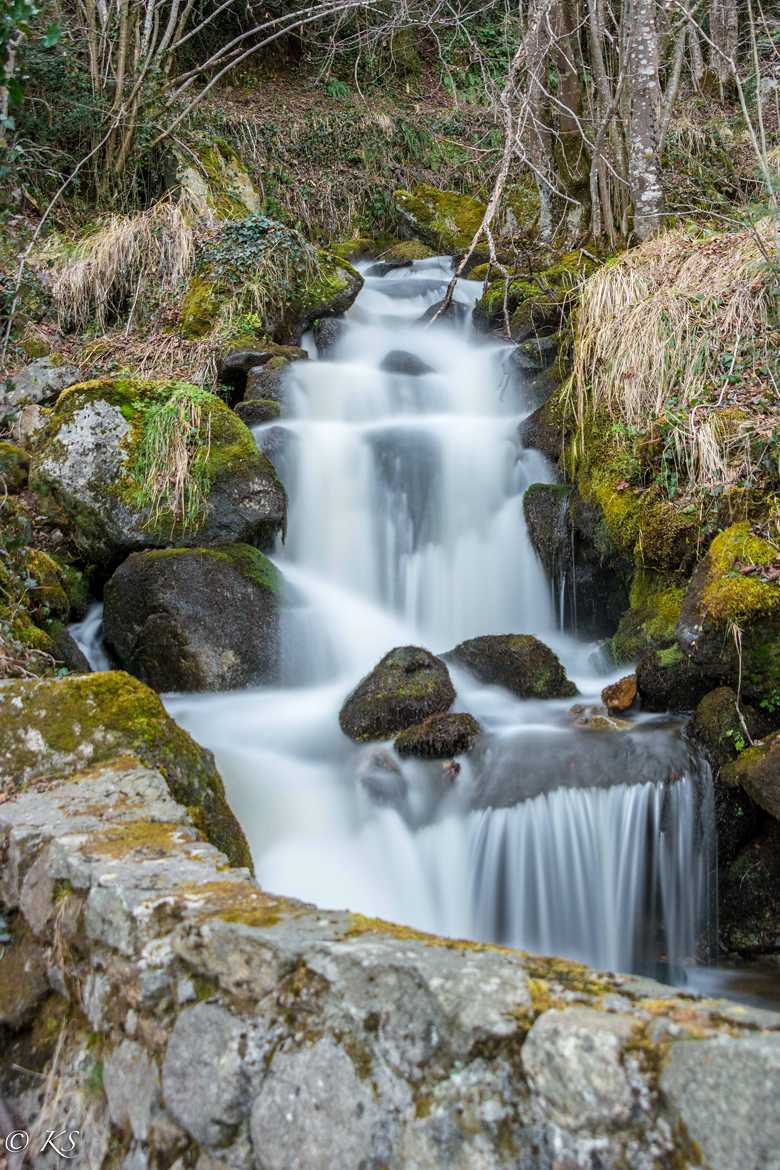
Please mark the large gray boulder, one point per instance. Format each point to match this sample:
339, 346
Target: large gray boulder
201, 619
408, 685
519, 662
112, 459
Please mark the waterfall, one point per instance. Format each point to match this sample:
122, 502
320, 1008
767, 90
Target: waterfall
406, 477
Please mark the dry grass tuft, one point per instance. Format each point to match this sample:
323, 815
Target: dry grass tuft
127, 259
661, 332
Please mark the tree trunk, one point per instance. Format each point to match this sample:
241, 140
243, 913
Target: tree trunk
644, 170
724, 32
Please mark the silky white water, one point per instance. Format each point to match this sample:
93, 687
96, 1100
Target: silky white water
406, 527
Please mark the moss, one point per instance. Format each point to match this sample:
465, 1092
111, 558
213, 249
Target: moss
445, 220
246, 559
218, 184
358, 248
153, 838
730, 595
200, 307
408, 250
14, 466
47, 596
655, 600
56, 727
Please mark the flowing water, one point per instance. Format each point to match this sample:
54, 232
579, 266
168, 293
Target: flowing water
406, 527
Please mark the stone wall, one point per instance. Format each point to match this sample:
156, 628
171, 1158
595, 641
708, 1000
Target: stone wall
158, 1001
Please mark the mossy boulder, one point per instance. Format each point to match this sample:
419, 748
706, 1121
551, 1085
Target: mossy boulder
445, 220
519, 662
729, 592
215, 183
407, 251
258, 411
407, 686
539, 302
199, 619
37, 384
550, 427
54, 728
757, 771
439, 737
47, 595
14, 467
717, 725
260, 278
136, 464
358, 248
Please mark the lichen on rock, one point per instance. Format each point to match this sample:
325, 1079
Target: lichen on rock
53, 728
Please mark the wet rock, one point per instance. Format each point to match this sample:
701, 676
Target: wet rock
66, 650
14, 466
385, 266
37, 384
574, 1060
602, 723
258, 411
668, 680
408, 685
93, 458
382, 778
316, 1111
203, 1074
398, 361
328, 332
240, 369
724, 1092
620, 695
456, 313
440, 737
578, 558
51, 728
519, 662
196, 619
749, 892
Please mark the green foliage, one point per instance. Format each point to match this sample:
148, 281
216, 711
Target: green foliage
170, 463
335, 88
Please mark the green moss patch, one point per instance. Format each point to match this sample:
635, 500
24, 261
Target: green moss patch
50, 730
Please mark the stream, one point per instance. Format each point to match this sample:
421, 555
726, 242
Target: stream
406, 527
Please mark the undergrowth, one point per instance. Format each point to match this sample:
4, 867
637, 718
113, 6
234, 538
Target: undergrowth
677, 340
172, 454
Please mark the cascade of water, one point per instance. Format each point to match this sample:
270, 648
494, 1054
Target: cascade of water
405, 476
